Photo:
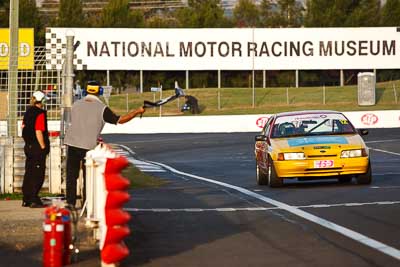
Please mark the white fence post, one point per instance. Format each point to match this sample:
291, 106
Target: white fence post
54, 166
8, 165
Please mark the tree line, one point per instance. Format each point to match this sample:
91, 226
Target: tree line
210, 14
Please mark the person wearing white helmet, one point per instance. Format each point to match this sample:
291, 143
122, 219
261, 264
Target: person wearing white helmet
37, 146
88, 117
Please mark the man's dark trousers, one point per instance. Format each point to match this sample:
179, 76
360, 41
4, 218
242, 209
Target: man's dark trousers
75, 159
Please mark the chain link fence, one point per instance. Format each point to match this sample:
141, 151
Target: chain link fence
16, 89
29, 81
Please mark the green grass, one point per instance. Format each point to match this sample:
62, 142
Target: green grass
140, 179
236, 101
137, 178
18, 196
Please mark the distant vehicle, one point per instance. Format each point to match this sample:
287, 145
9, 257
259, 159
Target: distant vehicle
53, 96
311, 145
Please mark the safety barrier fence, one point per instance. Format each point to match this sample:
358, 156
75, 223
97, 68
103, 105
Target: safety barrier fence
106, 192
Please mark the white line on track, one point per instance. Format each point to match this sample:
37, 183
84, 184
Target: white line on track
315, 206
382, 141
384, 187
144, 166
127, 149
388, 250
385, 151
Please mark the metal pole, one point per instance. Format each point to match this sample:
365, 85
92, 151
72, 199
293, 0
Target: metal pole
252, 77
154, 99
219, 100
253, 88
37, 80
219, 79
297, 78
323, 94
108, 77
287, 95
13, 70
395, 93
69, 80
60, 85
341, 78
264, 79
160, 98
141, 81
187, 80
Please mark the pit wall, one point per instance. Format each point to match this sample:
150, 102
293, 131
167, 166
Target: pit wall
225, 124
238, 123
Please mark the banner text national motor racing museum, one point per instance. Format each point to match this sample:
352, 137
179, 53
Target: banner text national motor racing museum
227, 49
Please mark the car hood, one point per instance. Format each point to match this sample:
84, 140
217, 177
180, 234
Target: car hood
318, 142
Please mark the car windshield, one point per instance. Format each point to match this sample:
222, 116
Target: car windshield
311, 124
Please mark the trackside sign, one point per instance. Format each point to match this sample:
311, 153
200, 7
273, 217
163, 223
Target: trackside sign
25, 48
227, 49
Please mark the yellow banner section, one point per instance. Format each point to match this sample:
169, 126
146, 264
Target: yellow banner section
25, 49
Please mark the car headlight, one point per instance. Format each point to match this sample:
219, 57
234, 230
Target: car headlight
354, 153
291, 156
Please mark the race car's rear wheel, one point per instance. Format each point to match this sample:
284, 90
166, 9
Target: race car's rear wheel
365, 178
273, 179
262, 179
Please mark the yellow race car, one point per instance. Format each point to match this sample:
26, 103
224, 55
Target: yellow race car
311, 145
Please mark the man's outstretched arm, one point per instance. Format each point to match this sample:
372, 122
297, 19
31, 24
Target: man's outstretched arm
129, 116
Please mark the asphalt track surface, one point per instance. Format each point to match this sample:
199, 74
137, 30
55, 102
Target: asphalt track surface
212, 213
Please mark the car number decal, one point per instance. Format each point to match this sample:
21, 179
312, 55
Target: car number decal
323, 164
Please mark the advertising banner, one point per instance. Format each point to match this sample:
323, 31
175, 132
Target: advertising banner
25, 48
227, 49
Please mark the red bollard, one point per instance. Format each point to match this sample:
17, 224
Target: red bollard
114, 220
53, 239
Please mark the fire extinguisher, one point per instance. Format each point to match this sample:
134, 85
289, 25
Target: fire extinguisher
53, 239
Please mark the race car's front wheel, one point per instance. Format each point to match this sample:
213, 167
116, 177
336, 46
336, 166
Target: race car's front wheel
273, 179
262, 179
365, 178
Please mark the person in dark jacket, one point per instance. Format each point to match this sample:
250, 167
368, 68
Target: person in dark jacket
88, 117
37, 146
191, 104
